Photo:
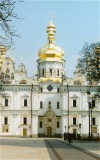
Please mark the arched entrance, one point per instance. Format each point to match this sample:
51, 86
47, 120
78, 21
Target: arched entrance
49, 131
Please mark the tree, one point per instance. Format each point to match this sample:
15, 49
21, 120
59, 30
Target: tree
7, 15
90, 63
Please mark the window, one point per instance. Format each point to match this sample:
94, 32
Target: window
41, 104
93, 121
58, 125
93, 103
58, 105
58, 72
43, 72
58, 90
41, 90
25, 120
49, 104
74, 103
40, 124
25, 102
74, 120
51, 72
6, 120
6, 102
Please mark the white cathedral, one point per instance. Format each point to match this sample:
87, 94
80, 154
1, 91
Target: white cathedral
50, 103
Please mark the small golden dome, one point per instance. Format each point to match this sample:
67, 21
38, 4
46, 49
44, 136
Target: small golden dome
51, 50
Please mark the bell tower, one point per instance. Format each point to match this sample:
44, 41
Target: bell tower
51, 58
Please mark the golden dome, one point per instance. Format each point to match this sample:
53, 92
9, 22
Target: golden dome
51, 50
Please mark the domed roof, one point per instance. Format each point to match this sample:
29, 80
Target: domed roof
51, 50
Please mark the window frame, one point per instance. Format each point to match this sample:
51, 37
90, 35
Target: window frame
58, 104
24, 120
25, 101
49, 104
5, 120
40, 124
6, 102
74, 103
41, 104
74, 121
94, 121
58, 124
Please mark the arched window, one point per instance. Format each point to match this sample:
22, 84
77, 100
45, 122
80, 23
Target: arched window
51, 72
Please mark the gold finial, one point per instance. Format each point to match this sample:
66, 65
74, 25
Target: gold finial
51, 32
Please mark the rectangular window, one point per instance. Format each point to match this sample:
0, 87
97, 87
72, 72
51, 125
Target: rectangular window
93, 121
25, 120
25, 102
40, 124
6, 120
6, 102
93, 103
58, 125
51, 72
58, 90
58, 105
74, 103
41, 104
74, 121
58, 72
43, 72
41, 90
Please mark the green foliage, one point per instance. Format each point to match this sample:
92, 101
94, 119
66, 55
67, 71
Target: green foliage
90, 62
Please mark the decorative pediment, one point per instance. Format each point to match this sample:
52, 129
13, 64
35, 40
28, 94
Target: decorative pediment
49, 113
25, 96
74, 96
5, 95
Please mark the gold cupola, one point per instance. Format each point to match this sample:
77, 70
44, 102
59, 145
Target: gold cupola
51, 52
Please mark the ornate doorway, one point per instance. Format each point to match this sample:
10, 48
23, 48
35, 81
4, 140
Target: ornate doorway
24, 132
49, 131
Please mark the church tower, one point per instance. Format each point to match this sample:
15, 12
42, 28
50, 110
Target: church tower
51, 59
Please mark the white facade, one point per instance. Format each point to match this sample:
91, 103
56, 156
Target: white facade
48, 104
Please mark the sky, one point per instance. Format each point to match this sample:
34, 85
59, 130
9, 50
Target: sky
76, 22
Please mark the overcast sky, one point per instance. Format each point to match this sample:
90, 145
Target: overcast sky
76, 22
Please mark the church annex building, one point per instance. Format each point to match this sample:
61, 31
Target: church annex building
48, 104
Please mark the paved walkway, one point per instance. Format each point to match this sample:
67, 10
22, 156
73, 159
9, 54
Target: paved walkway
43, 149
23, 149
92, 147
